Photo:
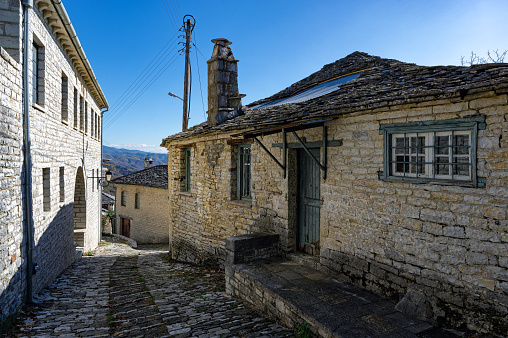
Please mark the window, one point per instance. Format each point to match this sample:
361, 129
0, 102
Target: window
46, 190
86, 118
36, 51
243, 174
137, 200
75, 108
92, 120
124, 198
432, 151
81, 113
94, 115
62, 184
186, 170
65, 97
98, 126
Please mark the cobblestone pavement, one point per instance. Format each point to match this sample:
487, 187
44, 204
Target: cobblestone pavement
124, 292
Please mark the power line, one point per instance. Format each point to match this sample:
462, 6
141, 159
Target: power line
199, 78
204, 57
170, 16
179, 9
175, 11
175, 56
142, 74
145, 78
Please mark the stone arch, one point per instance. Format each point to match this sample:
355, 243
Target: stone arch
79, 208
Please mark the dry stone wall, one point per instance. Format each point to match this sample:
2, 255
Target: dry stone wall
447, 243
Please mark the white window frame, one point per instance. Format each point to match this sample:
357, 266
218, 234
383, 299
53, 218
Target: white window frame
430, 130
426, 155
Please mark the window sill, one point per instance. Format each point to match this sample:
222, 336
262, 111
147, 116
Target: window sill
241, 203
480, 181
39, 107
65, 122
185, 193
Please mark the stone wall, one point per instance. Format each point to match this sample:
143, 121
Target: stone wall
56, 144
149, 223
57, 148
11, 27
12, 282
448, 242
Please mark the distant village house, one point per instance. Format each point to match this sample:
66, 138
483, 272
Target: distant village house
142, 205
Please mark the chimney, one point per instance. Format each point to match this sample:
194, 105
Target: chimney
224, 100
148, 161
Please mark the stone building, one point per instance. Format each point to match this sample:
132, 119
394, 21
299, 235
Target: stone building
393, 174
50, 204
141, 205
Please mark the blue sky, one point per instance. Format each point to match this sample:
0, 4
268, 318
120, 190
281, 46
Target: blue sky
278, 42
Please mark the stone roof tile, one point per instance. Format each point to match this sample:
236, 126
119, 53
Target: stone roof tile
383, 82
156, 176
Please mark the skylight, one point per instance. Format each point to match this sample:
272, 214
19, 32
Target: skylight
311, 93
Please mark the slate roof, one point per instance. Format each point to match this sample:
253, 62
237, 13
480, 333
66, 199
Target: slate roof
383, 82
156, 176
107, 199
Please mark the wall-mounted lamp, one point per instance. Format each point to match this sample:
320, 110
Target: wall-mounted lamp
103, 180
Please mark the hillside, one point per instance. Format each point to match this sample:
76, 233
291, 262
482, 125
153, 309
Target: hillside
125, 161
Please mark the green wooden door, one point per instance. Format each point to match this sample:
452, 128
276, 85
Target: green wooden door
309, 202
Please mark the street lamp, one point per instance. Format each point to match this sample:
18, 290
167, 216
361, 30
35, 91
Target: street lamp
174, 95
102, 179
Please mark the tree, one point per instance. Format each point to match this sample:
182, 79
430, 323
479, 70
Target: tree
475, 59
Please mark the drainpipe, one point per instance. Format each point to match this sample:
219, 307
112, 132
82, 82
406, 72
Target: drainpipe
100, 191
27, 161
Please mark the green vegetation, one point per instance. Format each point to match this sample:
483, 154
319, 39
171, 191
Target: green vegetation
303, 331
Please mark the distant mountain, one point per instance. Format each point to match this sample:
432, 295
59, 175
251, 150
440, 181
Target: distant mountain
124, 161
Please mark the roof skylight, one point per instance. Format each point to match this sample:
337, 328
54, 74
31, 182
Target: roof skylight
311, 93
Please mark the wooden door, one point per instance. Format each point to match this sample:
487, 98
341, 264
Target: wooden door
126, 227
309, 202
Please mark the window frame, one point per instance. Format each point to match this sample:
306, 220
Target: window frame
36, 50
443, 127
137, 201
123, 198
241, 173
187, 168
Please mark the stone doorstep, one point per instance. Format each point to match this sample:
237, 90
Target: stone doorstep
297, 292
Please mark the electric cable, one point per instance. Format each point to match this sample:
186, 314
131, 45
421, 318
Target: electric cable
147, 77
199, 78
169, 15
148, 85
142, 74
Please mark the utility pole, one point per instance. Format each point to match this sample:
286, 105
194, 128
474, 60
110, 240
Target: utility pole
188, 29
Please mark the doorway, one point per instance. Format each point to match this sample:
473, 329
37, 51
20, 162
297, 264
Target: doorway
309, 202
126, 227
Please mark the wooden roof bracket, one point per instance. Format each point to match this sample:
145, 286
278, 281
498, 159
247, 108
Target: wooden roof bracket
284, 160
322, 166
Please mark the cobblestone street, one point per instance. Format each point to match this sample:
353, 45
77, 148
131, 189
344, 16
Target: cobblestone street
125, 292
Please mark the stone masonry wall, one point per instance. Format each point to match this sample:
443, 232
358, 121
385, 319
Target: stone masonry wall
149, 223
12, 281
55, 145
11, 28
449, 243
